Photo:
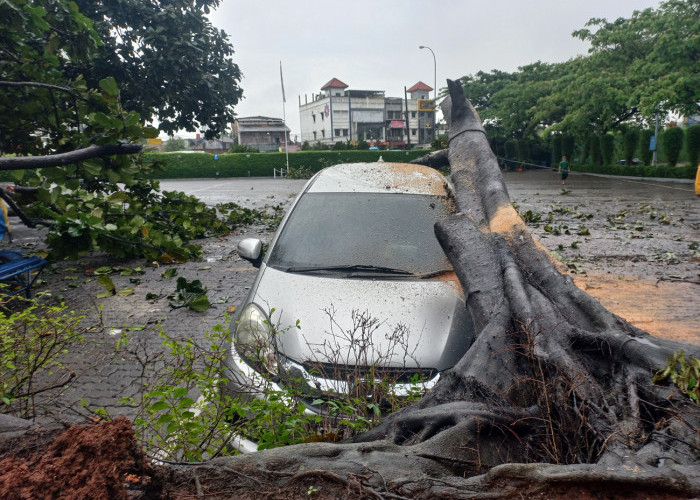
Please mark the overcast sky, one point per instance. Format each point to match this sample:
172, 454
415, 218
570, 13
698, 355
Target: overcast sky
373, 45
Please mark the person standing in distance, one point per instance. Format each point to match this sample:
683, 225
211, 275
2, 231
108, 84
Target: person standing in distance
564, 169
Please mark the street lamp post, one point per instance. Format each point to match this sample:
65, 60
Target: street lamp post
434, 69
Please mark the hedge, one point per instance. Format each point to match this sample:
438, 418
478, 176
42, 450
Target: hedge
663, 171
203, 165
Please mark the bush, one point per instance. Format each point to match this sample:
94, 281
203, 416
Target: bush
662, 171
692, 144
31, 341
556, 149
174, 424
511, 148
203, 165
567, 146
672, 142
596, 156
645, 154
607, 148
242, 148
630, 141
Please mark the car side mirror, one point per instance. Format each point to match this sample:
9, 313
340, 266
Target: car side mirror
251, 249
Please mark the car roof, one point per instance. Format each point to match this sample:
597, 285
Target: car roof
379, 177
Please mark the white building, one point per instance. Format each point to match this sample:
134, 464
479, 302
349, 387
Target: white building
341, 114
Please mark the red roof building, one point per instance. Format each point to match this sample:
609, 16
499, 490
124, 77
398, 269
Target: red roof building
420, 86
334, 83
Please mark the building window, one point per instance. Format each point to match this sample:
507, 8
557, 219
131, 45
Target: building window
413, 131
413, 114
323, 116
323, 133
314, 135
345, 132
337, 132
314, 117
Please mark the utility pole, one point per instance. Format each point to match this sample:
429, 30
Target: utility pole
408, 127
656, 139
434, 70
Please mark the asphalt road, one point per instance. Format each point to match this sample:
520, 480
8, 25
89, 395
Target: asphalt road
621, 233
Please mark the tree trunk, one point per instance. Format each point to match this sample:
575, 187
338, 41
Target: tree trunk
60, 159
555, 390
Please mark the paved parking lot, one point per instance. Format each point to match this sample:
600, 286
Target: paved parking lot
631, 244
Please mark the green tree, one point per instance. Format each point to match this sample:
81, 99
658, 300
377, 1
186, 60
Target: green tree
692, 144
635, 66
174, 144
672, 143
653, 55
71, 142
171, 63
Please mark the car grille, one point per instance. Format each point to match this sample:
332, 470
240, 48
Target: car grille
396, 375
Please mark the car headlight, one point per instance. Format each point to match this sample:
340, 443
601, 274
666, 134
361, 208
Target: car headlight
254, 339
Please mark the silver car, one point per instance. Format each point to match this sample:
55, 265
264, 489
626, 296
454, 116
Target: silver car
353, 288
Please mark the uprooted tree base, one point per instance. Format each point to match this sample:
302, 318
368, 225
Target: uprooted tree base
105, 461
554, 395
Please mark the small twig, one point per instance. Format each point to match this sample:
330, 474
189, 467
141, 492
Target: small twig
41, 85
71, 376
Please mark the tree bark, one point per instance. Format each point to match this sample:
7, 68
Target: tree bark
555, 390
60, 159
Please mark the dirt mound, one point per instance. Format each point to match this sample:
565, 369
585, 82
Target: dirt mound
86, 461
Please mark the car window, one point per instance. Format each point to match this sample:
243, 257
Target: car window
363, 229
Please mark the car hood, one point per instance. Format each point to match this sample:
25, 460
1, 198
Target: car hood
399, 323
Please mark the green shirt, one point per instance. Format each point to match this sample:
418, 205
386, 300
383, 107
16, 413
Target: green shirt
564, 166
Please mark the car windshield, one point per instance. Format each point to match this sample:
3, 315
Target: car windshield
362, 233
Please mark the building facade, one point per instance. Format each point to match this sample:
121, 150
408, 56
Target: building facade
261, 132
219, 145
339, 114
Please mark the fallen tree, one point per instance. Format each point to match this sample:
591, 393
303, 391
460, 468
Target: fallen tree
556, 392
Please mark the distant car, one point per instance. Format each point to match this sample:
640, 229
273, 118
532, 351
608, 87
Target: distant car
353, 285
373, 148
635, 161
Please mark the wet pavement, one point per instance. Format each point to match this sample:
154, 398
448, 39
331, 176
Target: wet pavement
631, 244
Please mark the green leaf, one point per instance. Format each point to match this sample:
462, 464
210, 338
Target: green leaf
185, 403
150, 132
179, 392
116, 198
169, 273
125, 291
200, 304
109, 86
160, 406
106, 282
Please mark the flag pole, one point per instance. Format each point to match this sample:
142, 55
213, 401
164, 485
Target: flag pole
284, 118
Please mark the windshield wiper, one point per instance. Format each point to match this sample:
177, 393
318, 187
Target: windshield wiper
356, 268
435, 274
